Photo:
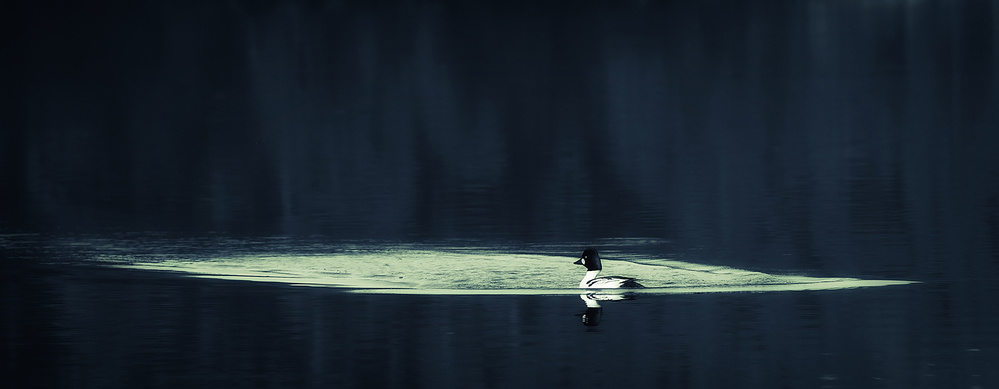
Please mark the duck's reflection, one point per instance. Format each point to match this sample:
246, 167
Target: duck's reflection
594, 312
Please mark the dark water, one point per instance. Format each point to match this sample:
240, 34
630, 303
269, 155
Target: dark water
69, 322
816, 138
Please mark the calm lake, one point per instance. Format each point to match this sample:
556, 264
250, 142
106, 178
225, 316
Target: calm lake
338, 193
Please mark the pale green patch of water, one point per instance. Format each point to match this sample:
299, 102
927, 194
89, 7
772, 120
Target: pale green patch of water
481, 271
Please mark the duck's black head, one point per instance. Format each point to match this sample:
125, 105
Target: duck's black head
590, 259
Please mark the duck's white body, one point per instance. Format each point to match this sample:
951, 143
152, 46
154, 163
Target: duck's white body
590, 280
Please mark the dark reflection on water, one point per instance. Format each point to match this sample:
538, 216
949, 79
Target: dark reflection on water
777, 127
594, 312
87, 327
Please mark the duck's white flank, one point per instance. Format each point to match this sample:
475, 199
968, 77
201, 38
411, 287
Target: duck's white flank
590, 275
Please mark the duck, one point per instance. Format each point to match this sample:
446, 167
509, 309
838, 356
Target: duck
591, 259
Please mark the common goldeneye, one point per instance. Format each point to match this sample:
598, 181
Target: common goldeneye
591, 259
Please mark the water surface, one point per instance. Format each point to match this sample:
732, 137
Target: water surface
121, 311
390, 194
